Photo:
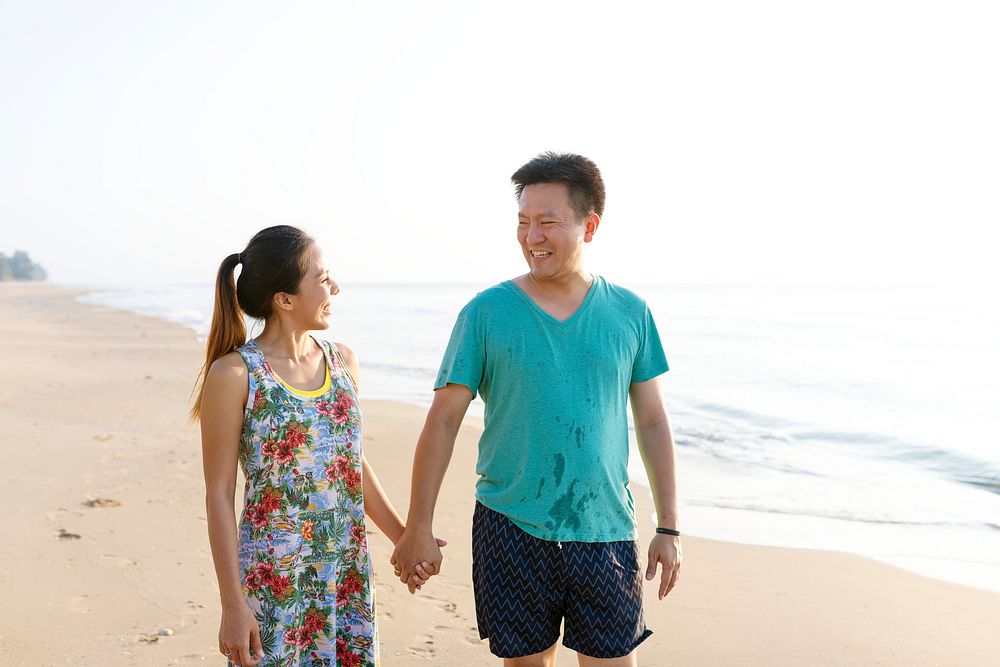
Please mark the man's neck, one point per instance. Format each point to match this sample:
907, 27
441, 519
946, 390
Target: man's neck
567, 286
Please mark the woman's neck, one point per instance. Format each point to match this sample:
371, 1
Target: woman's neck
278, 342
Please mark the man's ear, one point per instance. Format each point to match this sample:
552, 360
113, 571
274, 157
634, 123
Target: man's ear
592, 222
283, 300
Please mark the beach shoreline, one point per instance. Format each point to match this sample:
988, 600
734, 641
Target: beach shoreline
107, 560
758, 464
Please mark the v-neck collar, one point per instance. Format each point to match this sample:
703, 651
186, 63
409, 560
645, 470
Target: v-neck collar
591, 291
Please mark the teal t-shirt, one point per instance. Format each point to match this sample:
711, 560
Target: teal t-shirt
553, 456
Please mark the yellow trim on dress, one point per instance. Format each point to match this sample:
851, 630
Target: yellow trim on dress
313, 393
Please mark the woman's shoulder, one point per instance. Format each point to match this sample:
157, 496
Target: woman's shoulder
346, 359
226, 384
349, 357
334, 347
346, 352
228, 367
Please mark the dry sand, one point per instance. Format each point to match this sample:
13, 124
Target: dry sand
104, 541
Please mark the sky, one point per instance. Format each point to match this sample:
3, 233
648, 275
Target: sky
801, 142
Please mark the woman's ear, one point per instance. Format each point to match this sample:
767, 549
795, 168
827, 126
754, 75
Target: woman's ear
283, 300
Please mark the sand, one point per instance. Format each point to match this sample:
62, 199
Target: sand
105, 560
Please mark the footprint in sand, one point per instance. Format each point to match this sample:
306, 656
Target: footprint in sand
458, 620
470, 634
102, 502
445, 605
423, 649
78, 605
192, 614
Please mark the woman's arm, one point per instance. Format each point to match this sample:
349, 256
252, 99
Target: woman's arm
378, 506
222, 403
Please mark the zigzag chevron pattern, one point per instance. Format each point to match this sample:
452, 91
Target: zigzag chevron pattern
526, 586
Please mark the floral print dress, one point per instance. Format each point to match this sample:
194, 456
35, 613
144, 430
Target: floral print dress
302, 547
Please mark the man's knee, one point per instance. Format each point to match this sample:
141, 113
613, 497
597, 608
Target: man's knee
546, 658
624, 661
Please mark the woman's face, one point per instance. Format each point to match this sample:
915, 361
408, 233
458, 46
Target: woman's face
312, 304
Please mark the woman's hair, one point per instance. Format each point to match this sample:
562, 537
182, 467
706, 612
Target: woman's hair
274, 261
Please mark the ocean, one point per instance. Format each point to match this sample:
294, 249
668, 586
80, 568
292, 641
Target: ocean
861, 419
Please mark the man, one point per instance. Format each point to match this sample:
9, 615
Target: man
555, 354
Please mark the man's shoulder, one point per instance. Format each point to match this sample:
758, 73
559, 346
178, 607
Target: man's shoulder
498, 295
623, 299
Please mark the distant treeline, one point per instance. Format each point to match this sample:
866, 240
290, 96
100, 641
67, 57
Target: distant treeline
20, 267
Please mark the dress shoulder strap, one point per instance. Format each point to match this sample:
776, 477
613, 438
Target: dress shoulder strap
337, 363
253, 359
252, 356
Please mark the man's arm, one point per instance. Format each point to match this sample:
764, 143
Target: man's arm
656, 446
430, 462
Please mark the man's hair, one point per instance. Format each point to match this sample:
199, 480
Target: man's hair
580, 175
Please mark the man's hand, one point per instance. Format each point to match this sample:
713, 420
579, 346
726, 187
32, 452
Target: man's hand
417, 548
665, 550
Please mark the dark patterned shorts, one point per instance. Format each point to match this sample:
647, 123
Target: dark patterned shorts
525, 587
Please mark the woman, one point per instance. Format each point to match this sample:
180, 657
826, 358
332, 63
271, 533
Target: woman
295, 578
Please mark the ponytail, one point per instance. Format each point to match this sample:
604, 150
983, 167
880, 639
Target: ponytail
228, 330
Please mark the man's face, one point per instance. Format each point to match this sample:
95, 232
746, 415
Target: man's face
550, 232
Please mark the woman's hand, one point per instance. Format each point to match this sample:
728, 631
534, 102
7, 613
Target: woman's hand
239, 635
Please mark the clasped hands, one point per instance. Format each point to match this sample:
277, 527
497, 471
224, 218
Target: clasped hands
416, 558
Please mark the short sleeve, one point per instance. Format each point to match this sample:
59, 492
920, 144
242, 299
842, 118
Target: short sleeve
650, 360
465, 357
